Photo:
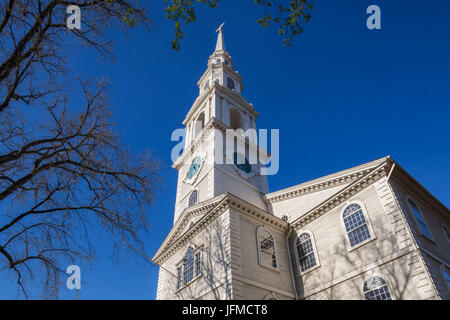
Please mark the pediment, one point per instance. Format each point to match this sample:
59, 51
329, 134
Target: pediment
338, 180
188, 218
190, 223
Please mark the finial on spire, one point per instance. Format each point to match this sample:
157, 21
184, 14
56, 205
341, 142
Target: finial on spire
220, 45
219, 29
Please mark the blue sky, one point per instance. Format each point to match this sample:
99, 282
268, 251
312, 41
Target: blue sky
341, 96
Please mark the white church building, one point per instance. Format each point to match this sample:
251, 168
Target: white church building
368, 232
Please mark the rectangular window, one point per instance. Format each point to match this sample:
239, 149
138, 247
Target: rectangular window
198, 264
446, 273
359, 235
305, 252
424, 229
356, 225
307, 262
179, 277
419, 218
379, 294
188, 273
267, 255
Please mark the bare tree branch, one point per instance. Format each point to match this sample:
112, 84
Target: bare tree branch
64, 173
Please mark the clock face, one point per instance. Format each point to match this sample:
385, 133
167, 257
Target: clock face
194, 168
242, 163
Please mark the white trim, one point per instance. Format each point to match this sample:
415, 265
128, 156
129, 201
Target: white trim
315, 252
263, 286
409, 199
291, 266
258, 246
210, 210
368, 223
346, 176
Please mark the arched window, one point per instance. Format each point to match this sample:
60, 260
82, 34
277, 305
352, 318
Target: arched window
206, 86
419, 218
199, 124
375, 288
188, 266
235, 119
230, 83
355, 224
193, 198
271, 296
266, 248
305, 250
446, 232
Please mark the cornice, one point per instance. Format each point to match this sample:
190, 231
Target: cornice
190, 149
222, 91
172, 239
329, 181
249, 144
223, 66
255, 212
178, 240
238, 99
404, 179
315, 187
213, 123
204, 74
217, 54
198, 101
343, 195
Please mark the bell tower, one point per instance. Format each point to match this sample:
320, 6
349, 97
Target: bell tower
208, 167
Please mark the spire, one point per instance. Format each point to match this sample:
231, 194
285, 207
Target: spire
220, 54
220, 45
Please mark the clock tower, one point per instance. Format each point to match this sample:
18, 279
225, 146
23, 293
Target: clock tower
212, 162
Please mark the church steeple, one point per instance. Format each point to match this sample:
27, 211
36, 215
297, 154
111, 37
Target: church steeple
220, 45
220, 68
220, 54
219, 106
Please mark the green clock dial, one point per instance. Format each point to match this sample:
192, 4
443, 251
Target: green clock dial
194, 168
243, 163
